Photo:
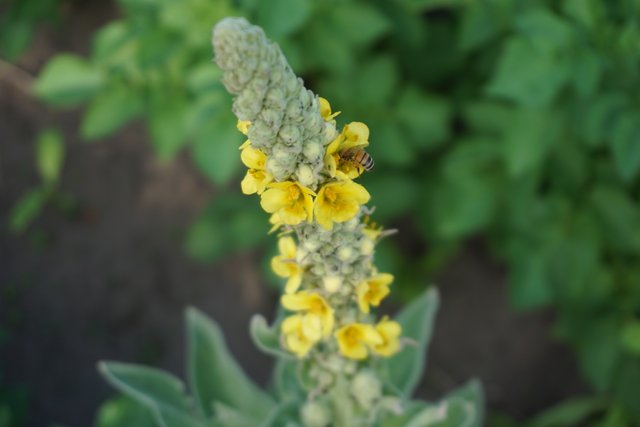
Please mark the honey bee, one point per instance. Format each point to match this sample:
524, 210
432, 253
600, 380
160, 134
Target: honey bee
359, 157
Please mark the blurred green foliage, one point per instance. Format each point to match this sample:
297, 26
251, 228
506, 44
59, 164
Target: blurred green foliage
49, 159
19, 20
518, 121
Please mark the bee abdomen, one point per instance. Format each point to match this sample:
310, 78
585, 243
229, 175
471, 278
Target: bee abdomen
364, 159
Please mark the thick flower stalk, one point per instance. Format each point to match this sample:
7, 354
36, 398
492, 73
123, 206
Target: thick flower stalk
303, 168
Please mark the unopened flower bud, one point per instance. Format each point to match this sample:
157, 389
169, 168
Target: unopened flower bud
366, 247
305, 175
312, 151
366, 389
315, 414
332, 283
345, 253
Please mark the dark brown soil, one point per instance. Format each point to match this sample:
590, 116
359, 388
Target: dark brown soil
112, 280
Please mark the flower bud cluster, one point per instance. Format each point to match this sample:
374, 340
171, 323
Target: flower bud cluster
286, 124
337, 259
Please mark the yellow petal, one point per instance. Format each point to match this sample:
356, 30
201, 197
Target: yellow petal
243, 126
287, 247
293, 283
273, 199
253, 158
322, 213
356, 131
363, 301
249, 185
279, 266
357, 192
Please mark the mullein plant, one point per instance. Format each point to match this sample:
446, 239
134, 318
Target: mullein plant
338, 363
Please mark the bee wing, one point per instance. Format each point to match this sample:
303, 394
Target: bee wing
350, 145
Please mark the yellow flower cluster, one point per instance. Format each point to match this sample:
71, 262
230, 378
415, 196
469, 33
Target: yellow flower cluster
326, 311
337, 201
315, 319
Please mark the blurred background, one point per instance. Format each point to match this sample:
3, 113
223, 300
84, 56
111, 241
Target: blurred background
506, 136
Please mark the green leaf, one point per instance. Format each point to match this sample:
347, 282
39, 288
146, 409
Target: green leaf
267, 338
526, 75
68, 80
528, 138
271, 16
215, 149
463, 199
427, 117
204, 78
167, 122
545, 30
285, 380
462, 407
110, 110
50, 155
160, 392
123, 411
483, 21
601, 117
15, 37
376, 83
285, 414
619, 217
230, 417
215, 376
573, 412
586, 12
426, 5
357, 23
207, 239
390, 145
247, 227
599, 351
630, 337
405, 368
27, 209
530, 283
588, 69
625, 145
393, 195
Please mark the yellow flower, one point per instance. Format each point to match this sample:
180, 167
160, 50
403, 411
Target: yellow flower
355, 339
311, 303
243, 126
257, 178
286, 265
390, 332
354, 135
275, 222
371, 229
301, 333
339, 201
325, 110
373, 290
291, 201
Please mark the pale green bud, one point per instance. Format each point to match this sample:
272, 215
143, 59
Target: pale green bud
346, 253
329, 133
313, 151
332, 283
366, 247
289, 134
392, 404
315, 414
366, 389
305, 176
